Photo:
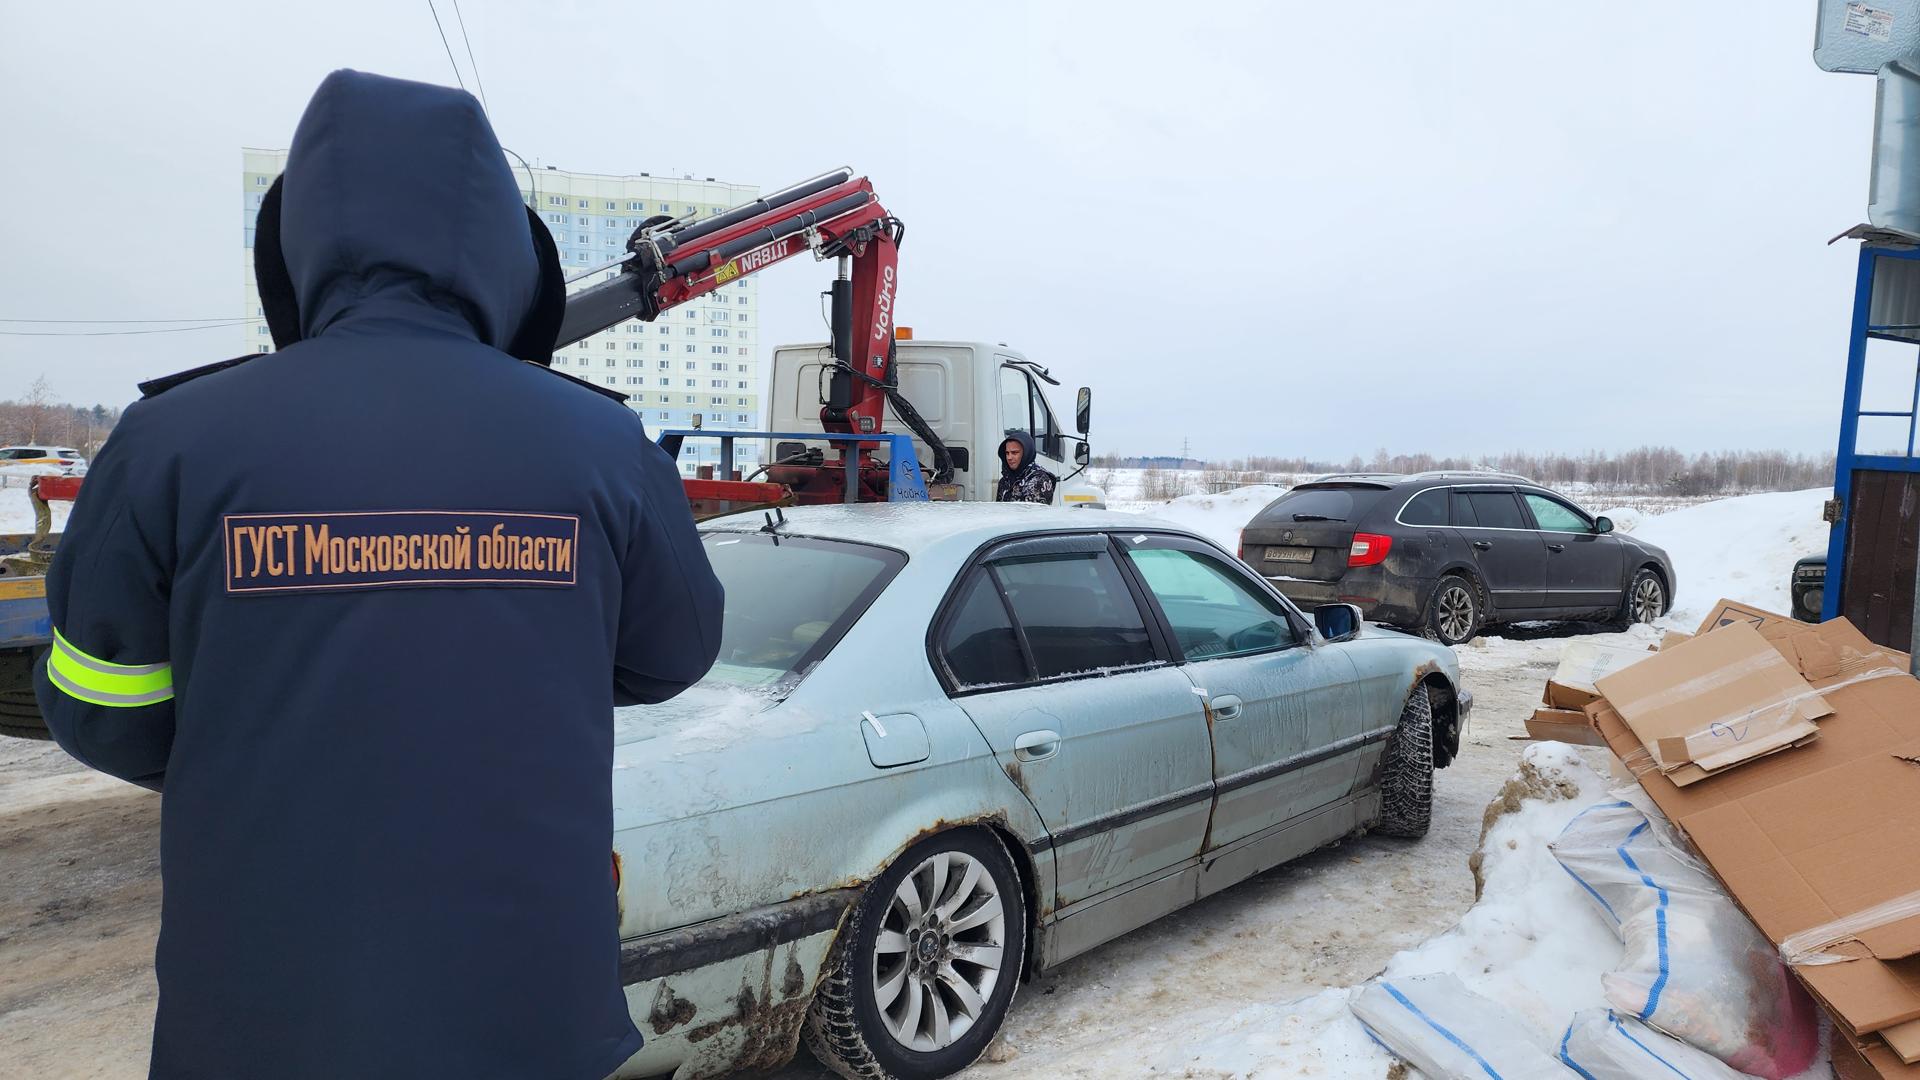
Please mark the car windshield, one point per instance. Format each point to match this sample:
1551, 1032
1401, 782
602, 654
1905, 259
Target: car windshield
788, 600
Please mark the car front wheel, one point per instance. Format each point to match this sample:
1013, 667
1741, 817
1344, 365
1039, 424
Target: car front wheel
1406, 771
925, 968
1646, 598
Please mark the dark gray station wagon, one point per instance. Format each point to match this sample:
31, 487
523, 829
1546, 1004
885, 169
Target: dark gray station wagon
1450, 553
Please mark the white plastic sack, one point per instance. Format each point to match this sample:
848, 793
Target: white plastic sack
1601, 1044
1451, 1033
1694, 967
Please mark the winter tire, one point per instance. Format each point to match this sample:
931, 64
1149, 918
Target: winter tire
1454, 612
1406, 771
926, 965
1646, 598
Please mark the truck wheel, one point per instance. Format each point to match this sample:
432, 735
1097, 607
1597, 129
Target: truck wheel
1454, 611
927, 964
1406, 771
19, 709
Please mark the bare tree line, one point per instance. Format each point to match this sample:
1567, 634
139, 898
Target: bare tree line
1646, 469
38, 418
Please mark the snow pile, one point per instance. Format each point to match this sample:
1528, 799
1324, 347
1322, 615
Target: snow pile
1217, 517
1741, 548
1531, 944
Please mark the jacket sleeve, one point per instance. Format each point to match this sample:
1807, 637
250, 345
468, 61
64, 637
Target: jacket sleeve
106, 686
671, 603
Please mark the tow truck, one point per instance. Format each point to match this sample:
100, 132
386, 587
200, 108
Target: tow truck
974, 393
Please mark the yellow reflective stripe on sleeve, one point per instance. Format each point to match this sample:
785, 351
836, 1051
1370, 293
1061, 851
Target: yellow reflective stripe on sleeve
99, 682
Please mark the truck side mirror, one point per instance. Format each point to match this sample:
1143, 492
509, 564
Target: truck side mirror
1083, 409
1082, 454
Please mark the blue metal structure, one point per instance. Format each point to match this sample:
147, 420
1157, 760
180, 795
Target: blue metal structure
1886, 306
905, 481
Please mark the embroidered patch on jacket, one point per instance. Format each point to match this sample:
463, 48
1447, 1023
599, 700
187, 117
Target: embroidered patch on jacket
367, 550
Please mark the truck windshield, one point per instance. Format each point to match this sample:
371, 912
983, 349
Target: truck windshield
789, 599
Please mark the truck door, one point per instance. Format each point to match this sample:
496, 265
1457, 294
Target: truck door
1024, 408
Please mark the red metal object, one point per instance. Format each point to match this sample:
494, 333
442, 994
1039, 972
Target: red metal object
56, 488
711, 498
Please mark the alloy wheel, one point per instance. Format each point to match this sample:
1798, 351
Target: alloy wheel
1456, 612
939, 952
1648, 599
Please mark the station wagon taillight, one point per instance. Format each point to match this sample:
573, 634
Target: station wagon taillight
1368, 549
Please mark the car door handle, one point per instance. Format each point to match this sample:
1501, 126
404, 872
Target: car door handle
1556, 547
1035, 745
1483, 545
1225, 707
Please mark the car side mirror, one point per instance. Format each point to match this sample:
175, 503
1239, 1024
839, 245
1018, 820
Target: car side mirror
1603, 524
1083, 409
1082, 454
1337, 622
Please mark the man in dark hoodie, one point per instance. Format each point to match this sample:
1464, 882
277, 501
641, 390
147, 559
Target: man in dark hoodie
1021, 477
379, 699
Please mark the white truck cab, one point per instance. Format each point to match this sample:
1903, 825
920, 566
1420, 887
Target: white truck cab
972, 394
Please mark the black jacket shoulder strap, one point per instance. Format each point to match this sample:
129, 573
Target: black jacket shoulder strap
156, 387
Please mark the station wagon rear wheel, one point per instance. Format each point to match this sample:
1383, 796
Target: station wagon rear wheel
927, 964
1454, 613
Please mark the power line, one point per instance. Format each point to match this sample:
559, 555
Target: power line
118, 333
471, 62
449, 48
208, 319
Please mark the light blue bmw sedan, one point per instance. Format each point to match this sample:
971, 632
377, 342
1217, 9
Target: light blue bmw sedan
947, 746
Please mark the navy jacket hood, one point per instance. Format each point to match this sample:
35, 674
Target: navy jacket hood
397, 188
1026, 449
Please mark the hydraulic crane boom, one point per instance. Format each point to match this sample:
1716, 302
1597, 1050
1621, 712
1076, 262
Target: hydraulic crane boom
671, 261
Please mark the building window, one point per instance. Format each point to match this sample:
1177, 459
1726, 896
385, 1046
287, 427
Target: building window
690, 399
633, 362
742, 352
741, 385
717, 367
690, 330
610, 206
583, 206
558, 219
739, 401
259, 181
742, 316
612, 345
717, 401
583, 239
717, 384
263, 348
631, 381
666, 382
690, 348
582, 257
636, 206
561, 360
609, 361
741, 419
663, 348
691, 366
665, 208
663, 416
691, 383
555, 200
665, 364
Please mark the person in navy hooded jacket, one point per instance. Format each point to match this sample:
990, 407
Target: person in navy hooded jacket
376, 689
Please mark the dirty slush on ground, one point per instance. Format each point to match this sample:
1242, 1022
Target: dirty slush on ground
82, 902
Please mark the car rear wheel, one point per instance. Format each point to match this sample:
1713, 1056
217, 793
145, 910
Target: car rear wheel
1454, 611
1406, 771
923, 972
1646, 598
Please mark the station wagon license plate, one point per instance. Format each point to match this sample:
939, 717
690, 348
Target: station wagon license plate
1289, 554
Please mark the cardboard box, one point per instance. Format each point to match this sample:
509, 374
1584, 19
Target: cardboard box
1716, 701
1581, 664
1671, 638
1823, 831
1866, 1058
1733, 613
1562, 725
1904, 1040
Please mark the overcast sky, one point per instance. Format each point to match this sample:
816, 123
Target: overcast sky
1289, 228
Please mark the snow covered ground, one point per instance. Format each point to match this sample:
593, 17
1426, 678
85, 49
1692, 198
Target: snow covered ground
1250, 983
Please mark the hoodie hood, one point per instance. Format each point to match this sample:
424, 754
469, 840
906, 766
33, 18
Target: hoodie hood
397, 189
1026, 449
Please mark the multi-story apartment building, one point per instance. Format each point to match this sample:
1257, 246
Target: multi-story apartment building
700, 358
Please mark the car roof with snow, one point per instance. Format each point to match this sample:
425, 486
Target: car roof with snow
914, 527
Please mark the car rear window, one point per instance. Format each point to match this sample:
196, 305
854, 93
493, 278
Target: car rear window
789, 599
1427, 508
1325, 503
